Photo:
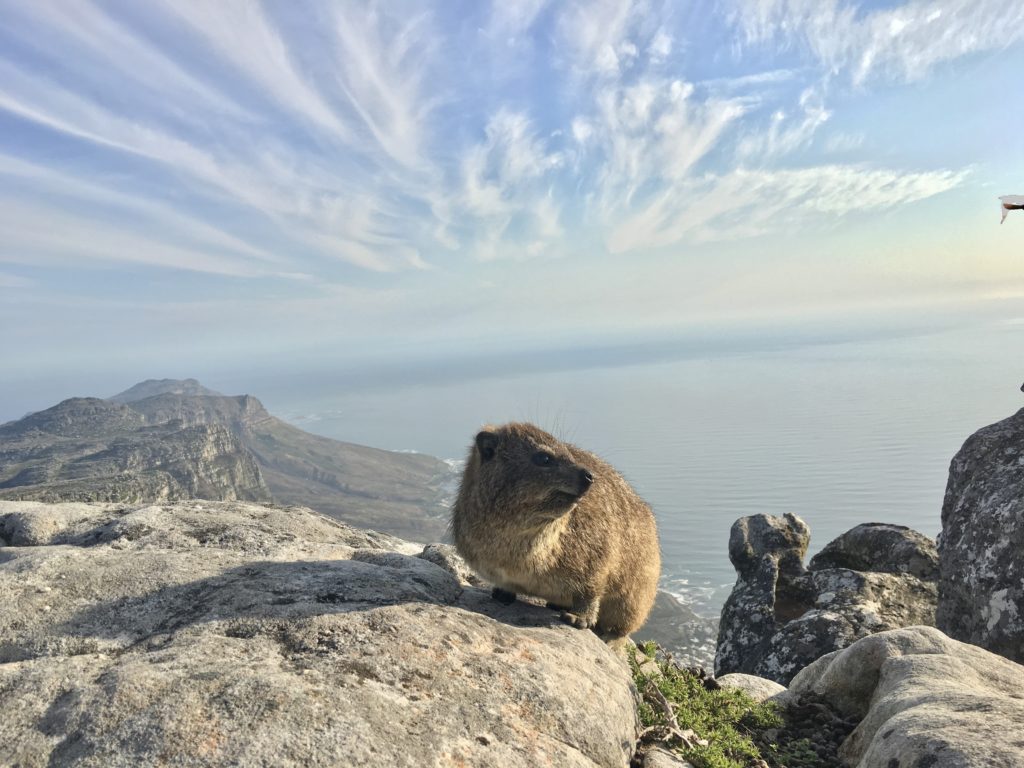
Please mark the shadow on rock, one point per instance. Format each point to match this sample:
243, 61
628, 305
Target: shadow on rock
269, 590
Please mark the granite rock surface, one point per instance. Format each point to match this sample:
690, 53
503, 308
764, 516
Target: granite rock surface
922, 699
981, 566
781, 616
225, 633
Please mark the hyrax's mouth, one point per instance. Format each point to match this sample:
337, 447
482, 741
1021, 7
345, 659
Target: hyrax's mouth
566, 497
575, 486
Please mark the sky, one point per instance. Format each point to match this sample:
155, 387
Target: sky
194, 186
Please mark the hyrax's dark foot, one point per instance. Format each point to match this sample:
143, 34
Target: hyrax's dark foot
503, 596
580, 622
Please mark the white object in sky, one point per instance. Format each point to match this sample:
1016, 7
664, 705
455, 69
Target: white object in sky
1010, 203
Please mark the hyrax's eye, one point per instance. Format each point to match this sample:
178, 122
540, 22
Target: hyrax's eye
543, 459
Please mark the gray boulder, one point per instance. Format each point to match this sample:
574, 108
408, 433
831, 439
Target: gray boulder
981, 568
780, 616
922, 699
881, 548
768, 554
757, 688
224, 633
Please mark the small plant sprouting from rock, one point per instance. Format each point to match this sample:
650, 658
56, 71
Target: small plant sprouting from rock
709, 726
687, 712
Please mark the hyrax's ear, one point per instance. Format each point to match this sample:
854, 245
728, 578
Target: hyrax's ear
486, 443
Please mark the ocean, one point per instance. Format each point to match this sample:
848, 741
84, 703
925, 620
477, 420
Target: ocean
837, 433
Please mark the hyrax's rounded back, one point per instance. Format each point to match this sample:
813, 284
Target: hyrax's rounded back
542, 517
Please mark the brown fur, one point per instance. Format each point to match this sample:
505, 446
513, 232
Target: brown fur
544, 530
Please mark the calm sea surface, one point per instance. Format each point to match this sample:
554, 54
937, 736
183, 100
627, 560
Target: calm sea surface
838, 434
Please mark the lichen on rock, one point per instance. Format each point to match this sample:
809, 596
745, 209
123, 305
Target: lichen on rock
981, 570
782, 616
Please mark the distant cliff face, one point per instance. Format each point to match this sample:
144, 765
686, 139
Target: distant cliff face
241, 412
175, 439
86, 449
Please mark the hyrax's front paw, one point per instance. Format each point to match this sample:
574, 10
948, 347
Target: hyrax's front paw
580, 622
503, 596
583, 613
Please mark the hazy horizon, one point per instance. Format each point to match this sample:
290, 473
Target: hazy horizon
431, 367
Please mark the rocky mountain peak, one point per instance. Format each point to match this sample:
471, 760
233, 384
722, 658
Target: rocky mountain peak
151, 387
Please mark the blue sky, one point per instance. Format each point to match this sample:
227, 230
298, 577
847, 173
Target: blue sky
188, 185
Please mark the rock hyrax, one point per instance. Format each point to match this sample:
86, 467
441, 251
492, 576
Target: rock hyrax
542, 517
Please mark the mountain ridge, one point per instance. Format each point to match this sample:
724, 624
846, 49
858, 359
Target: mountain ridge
170, 439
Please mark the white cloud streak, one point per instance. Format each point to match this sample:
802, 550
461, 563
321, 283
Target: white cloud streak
597, 34
901, 43
747, 203
40, 236
379, 68
55, 184
239, 32
785, 134
84, 31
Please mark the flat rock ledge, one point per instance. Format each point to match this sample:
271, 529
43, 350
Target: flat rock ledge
222, 633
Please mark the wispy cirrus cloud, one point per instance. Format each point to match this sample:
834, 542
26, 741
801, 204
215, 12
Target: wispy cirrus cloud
380, 70
239, 32
40, 236
598, 35
733, 85
786, 133
378, 160
505, 190
49, 183
636, 150
340, 142
367, 156
86, 36
747, 203
904, 42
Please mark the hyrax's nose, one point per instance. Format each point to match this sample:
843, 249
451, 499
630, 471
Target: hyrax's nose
586, 480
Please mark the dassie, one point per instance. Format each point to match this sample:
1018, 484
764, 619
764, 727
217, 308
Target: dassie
542, 517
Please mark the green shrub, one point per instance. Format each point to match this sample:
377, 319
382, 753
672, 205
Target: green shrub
710, 728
